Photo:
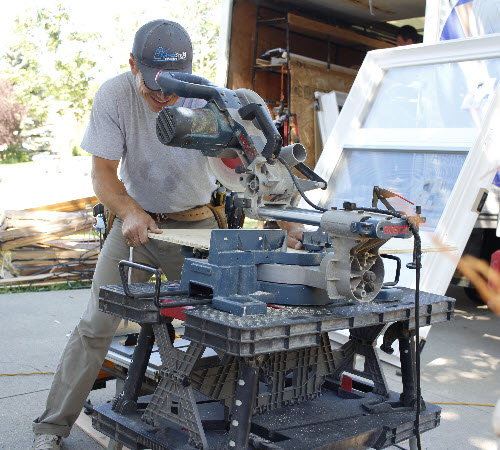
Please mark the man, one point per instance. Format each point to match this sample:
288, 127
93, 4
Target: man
160, 187
407, 35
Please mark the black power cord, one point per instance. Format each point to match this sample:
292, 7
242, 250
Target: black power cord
416, 264
296, 182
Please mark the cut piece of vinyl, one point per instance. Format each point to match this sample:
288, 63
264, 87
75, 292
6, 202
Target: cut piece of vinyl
224, 170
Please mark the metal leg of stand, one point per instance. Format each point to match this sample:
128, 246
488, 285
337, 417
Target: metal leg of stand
407, 358
244, 400
126, 402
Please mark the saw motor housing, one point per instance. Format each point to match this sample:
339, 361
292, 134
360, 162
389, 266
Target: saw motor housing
235, 130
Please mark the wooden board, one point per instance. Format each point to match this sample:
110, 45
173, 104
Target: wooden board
40, 228
43, 236
41, 256
24, 218
241, 51
335, 34
192, 238
70, 205
306, 79
72, 242
43, 283
84, 422
26, 279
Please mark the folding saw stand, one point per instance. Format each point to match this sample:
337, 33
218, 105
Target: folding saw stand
273, 381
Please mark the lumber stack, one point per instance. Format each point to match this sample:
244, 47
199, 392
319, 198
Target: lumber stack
49, 244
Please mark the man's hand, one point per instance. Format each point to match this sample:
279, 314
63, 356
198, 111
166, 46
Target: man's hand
294, 238
112, 193
135, 228
294, 234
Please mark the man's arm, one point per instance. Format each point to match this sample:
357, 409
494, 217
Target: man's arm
112, 193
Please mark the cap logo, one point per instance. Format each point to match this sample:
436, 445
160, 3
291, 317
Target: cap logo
163, 54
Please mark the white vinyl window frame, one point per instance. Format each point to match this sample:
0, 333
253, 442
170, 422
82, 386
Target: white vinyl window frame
482, 146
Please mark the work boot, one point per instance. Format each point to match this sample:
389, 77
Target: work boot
46, 442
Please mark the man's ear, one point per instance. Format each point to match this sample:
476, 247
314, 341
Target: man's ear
133, 66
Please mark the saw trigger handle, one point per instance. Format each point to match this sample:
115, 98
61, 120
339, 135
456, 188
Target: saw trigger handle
186, 85
271, 150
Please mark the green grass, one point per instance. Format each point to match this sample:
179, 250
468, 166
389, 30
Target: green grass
12, 155
49, 287
250, 224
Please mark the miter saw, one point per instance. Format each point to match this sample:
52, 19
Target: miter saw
255, 368
246, 271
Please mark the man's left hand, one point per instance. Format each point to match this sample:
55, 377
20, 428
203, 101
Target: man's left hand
294, 234
294, 238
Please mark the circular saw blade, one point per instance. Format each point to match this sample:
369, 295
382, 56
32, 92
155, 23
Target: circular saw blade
223, 169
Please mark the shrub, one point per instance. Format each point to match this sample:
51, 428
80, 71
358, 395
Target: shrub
13, 155
78, 151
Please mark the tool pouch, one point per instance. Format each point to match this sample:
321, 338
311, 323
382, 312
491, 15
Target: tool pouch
109, 216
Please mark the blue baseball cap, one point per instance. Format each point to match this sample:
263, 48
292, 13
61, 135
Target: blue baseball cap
162, 45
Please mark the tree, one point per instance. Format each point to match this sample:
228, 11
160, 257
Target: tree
11, 116
201, 19
51, 65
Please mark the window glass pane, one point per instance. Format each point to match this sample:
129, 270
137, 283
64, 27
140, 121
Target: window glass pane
425, 179
451, 95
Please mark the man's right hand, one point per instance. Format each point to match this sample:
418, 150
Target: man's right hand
135, 228
112, 193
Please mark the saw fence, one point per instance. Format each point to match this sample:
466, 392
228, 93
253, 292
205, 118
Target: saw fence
47, 245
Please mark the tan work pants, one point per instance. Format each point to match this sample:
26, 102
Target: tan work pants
88, 345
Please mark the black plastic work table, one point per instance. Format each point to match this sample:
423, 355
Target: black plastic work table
275, 381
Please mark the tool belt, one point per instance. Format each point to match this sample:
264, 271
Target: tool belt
193, 215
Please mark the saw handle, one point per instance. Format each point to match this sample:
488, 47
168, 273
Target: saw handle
156, 297
152, 270
398, 270
186, 85
272, 149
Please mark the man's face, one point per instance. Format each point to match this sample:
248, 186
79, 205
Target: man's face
400, 41
156, 100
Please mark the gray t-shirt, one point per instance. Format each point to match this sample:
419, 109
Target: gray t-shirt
160, 178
